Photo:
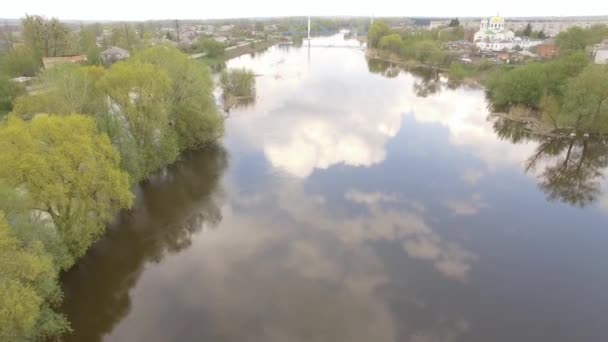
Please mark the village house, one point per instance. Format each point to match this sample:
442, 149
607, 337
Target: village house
601, 55
50, 62
547, 49
113, 55
599, 52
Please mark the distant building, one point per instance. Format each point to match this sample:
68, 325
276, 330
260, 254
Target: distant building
113, 55
50, 62
493, 36
493, 30
547, 49
438, 23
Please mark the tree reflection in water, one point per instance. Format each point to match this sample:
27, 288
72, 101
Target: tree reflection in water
570, 169
428, 80
170, 207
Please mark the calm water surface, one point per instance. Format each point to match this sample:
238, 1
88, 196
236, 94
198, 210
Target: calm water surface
354, 201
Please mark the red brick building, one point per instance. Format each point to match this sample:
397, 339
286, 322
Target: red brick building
548, 49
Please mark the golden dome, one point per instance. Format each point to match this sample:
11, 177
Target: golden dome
497, 20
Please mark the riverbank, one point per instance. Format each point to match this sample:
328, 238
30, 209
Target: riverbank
237, 51
473, 75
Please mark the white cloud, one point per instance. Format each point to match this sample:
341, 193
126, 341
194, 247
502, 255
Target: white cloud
472, 176
370, 197
466, 207
301, 129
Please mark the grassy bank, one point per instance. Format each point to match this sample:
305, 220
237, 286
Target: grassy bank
254, 47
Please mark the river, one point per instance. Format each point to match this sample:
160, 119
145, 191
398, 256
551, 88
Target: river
356, 201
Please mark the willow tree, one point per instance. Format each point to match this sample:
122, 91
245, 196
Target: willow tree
70, 171
28, 290
192, 105
140, 94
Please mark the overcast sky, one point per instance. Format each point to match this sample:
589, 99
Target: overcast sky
199, 9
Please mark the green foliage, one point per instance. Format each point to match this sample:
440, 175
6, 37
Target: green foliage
454, 22
585, 103
30, 226
141, 94
86, 43
577, 39
527, 31
378, 30
156, 104
520, 86
212, 47
20, 61
68, 88
392, 43
192, 106
422, 46
456, 72
70, 171
238, 82
46, 37
9, 91
28, 290
527, 84
125, 36
451, 34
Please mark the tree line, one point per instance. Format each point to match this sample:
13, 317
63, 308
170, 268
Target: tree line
70, 154
420, 45
569, 93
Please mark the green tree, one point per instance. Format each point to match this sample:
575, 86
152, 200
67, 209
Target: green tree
46, 37
212, 47
141, 95
573, 39
585, 104
527, 32
125, 36
31, 226
28, 290
9, 91
70, 171
378, 30
68, 89
192, 105
20, 61
238, 82
392, 43
454, 22
87, 44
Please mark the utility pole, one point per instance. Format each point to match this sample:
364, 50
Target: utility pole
309, 28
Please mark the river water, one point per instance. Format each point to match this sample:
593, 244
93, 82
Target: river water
356, 201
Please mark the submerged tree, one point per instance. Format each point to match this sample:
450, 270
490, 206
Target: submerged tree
569, 169
238, 87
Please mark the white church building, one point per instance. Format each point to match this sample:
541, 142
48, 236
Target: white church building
493, 36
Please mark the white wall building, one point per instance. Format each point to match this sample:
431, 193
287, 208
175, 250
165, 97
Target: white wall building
493, 36
601, 56
493, 30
